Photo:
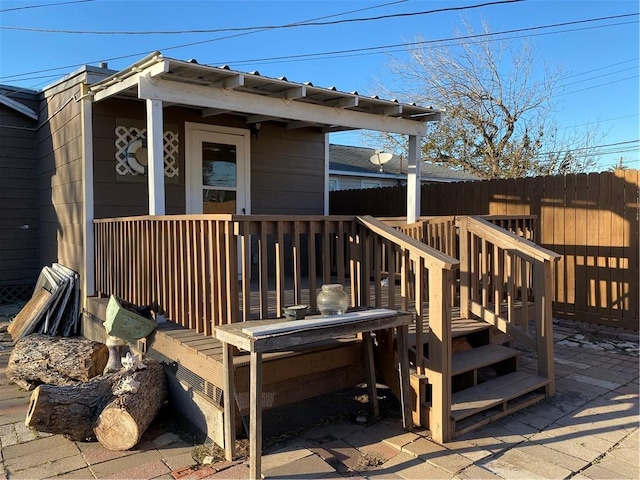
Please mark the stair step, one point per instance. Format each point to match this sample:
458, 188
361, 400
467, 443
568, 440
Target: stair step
460, 327
479, 357
494, 392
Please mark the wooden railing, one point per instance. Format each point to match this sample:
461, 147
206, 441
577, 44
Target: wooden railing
183, 263
498, 269
207, 270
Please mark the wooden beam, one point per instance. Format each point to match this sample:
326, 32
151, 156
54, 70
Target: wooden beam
126, 83
206, 97
210, 112
88, 275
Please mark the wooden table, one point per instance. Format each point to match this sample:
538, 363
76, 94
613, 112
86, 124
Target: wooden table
259, 336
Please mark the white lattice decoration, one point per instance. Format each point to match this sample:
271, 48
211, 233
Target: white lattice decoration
126, 135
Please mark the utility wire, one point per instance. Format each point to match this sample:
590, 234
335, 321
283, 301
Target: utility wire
122, 57
358, 51
264, 27
597, 86
593, 147
28, 7
416, 45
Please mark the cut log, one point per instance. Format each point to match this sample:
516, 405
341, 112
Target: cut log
70, 410
38, 359
124, 420
101, 407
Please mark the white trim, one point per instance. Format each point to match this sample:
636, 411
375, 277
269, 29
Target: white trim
327, 154
88, 275
413, 179
207, 97
18, 107
194, 133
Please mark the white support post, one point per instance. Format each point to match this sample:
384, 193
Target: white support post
155, 147
88, 276
413, 180
326, 173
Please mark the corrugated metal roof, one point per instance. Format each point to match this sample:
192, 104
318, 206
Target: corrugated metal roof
191, 73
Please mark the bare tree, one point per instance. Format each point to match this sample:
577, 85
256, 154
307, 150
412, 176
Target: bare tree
497, 104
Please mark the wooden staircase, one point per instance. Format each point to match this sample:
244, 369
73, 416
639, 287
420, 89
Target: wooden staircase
486, 382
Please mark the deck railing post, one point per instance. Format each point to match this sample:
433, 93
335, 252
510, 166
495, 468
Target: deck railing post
440, 422
465, 277
544, 324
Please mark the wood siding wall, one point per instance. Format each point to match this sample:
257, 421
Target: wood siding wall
287, 166
18, 194
59, 170
589, 219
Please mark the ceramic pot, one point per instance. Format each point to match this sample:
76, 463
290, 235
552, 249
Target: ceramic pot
332, 299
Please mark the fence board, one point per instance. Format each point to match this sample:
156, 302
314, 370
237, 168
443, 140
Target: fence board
592, 220
631, 233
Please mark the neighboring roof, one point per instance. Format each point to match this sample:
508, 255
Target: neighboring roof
218, 90
346, 160
14, 104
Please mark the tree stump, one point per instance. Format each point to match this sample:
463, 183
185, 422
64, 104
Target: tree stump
38, 359
124, 420
70, 410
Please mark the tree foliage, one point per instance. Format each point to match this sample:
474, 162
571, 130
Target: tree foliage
497, 104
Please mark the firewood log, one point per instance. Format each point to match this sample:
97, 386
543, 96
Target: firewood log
101, 407
38, 359
70, 410
124, 420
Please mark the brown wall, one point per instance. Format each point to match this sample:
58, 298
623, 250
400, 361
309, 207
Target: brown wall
18, 195
59, 170
591, 220
287, 166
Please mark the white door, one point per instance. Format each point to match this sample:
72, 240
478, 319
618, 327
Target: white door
217, 164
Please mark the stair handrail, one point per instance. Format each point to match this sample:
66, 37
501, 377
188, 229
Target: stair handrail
440, 270
491, 232
542, 260
432, 257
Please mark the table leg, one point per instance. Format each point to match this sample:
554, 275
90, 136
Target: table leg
229, 403
402, 333
370, 373
255, 417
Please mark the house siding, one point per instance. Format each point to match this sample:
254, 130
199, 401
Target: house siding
18, 194
287, 171
282, 160
59, 177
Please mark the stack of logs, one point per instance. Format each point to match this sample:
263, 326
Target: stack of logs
71, 396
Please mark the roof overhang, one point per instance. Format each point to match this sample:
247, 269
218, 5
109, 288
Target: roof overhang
217, 90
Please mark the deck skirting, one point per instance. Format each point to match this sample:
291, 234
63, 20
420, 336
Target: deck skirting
193, 363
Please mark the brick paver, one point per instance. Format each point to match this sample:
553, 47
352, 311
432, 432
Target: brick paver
588, 430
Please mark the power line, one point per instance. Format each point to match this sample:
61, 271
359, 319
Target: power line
358, 51
594, 147
122, 57
597, 86
600, 76
602, 68
260, 28
27, 7
457, 40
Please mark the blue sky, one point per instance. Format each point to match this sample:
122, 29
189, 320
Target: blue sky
599, 58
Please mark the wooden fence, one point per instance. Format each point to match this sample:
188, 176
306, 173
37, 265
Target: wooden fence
591, 220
